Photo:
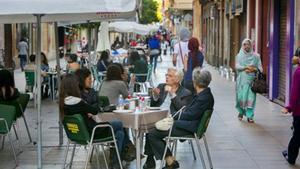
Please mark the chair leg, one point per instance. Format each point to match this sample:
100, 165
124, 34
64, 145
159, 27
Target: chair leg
104, 156
165, 152
208, 153
16, 134
175, 148
72, 156
89, 154
192, 146
17, 137
200, 152
27, 129
3, 140
97, 155
13, 149
66, 155
92, 155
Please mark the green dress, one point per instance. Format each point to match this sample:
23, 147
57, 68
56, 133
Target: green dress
245, 98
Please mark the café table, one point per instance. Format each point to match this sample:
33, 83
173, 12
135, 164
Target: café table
140, 122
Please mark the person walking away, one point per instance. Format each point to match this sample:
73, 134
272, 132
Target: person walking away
247, 64
294, 106
22, 48
164, 46
154, 46
195, 59
181, 48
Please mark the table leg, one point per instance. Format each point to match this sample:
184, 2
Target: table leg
138, 149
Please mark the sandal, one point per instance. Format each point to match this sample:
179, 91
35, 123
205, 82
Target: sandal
250, 120
240, 117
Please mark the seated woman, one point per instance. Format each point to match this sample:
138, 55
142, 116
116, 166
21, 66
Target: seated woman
87, 93
71, 103
72, 65
138, 66
113, 86
103, 62
8, 92
186, 125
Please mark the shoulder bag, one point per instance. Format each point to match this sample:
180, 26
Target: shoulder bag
166, 123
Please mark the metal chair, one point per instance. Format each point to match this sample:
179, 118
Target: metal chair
20, 105
97, 78
7, 116
78, 134
200, 134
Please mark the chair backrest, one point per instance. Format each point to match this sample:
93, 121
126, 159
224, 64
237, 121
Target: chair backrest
76, 129
29, 75
19, 104
95, 73
204, 123
103, 101
7, 113
149, 73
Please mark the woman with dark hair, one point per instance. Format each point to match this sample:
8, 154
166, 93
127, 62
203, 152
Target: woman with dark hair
73, 65
293, 149
103, 62
8, 92
113, 86
195, 59
71, 103
138, 66
87, 93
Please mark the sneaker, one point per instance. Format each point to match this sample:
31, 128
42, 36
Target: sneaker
174, 165
150, 163
285, 155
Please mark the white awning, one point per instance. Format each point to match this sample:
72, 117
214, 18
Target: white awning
128, 26
22, 11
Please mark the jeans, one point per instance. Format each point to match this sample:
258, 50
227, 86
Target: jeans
23, 61
294, 145
119, 134
155, 144
153, 58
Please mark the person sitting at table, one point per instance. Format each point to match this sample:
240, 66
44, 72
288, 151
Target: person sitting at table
87, 93
103, 62
113, 86
138, 66
31, 66
72, 65
186, 125
70, 103
8, 91
171, 93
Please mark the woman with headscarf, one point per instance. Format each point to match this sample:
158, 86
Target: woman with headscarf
247, 64
293, 149
195, 59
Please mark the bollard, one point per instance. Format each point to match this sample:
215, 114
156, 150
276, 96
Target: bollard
232, 75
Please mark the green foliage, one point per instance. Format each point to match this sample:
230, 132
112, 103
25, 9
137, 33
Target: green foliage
149, 12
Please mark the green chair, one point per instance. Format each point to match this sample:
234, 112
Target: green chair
20, 105
200, 134
30, 79
7, 116
97, 78
78, 134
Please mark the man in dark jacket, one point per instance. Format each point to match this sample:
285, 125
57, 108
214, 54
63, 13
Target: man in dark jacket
188, 122
171, 91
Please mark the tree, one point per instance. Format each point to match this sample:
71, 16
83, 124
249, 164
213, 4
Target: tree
149, 12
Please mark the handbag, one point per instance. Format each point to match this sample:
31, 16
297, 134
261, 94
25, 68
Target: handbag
259, 84
166, 123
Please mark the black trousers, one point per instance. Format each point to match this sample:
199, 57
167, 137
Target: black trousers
294, 145
155, 144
